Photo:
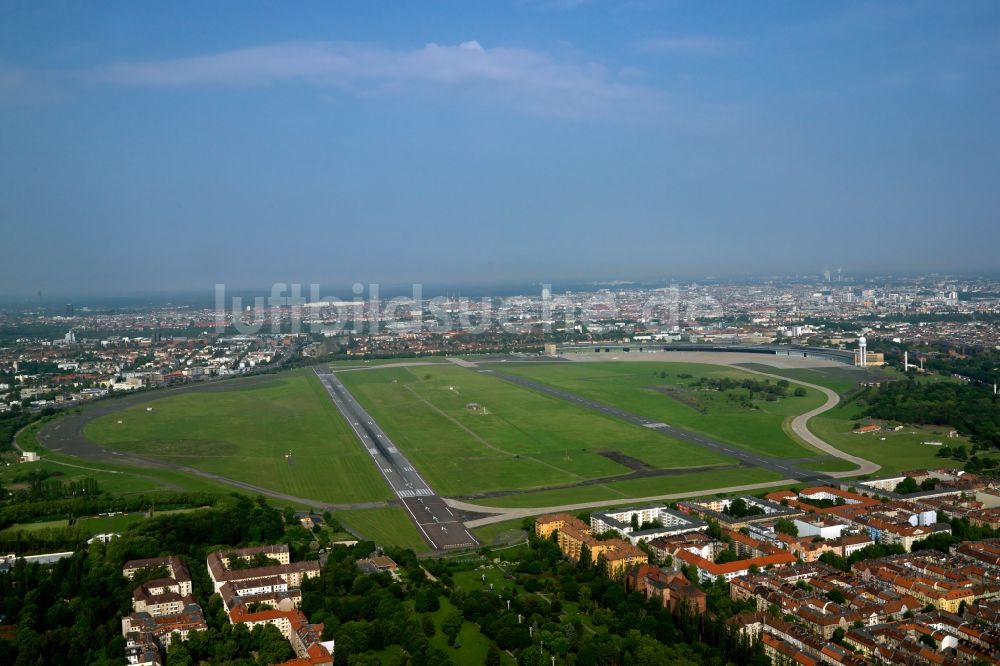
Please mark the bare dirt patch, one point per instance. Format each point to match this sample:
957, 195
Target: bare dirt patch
681, 396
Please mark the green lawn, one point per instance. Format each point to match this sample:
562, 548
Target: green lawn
843, 380
94, 524
473, 580
504, 532
390, 526
472, 644
111, 479
246, 433
114, 479
35, 527
523, 440
363, 363
832, 465
900, 451
638, 388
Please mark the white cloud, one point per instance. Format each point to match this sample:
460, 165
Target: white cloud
698, 45
524, 79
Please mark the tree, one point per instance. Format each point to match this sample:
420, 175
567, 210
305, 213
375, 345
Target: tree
725, 556
178, 655
451, 625
785, 526
492, 655
836, 596
427, 625
941, 541
272, 646
426, 601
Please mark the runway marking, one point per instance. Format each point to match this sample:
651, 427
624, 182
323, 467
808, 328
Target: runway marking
419, 492
656, 425
421, 527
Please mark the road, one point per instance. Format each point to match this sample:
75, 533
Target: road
438, 524
502, 514
800, 426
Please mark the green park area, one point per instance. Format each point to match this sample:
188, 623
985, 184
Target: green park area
688, 395
895, 450
468, 432
284, 435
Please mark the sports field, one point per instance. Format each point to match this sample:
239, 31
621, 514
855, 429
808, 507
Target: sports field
467, 432
665, 391
284, 435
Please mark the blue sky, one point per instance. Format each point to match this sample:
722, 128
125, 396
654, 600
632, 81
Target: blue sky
183, 144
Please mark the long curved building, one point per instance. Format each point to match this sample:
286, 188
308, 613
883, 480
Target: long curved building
844, 356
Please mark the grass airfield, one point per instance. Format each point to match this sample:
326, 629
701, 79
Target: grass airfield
664, 391
522, 440
247, 434
519, 448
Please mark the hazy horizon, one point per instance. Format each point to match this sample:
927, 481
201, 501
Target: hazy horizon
170, 148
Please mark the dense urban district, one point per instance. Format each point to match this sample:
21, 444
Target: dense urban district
772, 471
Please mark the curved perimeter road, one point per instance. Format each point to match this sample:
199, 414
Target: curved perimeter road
800, 426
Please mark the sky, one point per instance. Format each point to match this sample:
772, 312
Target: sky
158, 146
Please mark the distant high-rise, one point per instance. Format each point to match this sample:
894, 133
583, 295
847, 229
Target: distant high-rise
69, 310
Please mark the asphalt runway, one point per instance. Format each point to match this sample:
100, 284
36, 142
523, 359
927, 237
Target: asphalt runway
778, 465
439, 526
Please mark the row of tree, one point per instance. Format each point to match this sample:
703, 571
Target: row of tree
971, 409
